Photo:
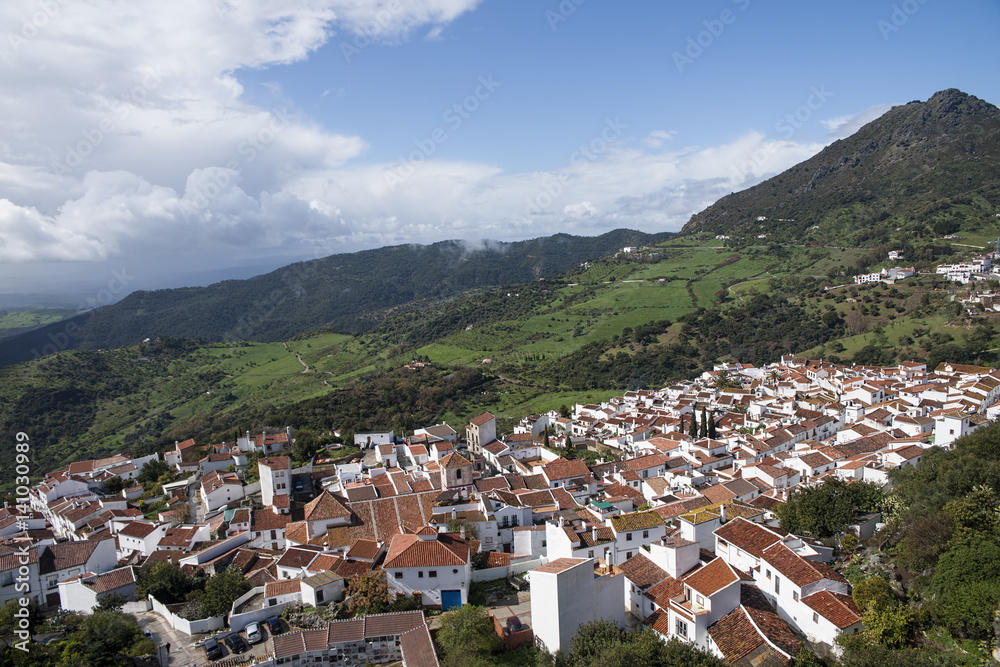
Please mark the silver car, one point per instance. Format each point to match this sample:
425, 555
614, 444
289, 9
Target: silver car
254, 635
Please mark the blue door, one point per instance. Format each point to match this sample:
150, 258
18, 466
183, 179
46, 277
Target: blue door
451, 600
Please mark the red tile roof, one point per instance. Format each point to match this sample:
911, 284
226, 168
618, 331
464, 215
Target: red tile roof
748, 536
837, 608
712, 578
481, 419
411, 551
325, 506
643, 572
798, 570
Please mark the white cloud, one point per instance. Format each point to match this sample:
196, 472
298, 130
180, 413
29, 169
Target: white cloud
124, 133
656, 138
845, 126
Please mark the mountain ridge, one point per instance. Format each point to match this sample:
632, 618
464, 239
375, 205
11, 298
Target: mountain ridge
348, 292
914, 156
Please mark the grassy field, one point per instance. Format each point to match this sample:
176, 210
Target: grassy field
14, 322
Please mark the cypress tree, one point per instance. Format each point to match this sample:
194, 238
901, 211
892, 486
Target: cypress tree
712, 433
694, 426
703, 433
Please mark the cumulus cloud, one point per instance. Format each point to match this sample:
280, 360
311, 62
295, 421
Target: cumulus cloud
125, 133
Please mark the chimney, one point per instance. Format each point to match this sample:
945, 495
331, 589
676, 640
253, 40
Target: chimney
461, 532
454, 515
593, 532
723, 514
562, 521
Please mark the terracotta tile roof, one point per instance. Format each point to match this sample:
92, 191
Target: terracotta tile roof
417, 648
276, 462
636, 521
325, 506
411, 551
481, 419
617, 490
282, 587
492, 484
774, 628
662, 592
559, 565
297, 532
454, 460
267, 520
287, 645
64, 555
112, 580
674, 510
297, 558
712, 578
659, 621
798, 570
837, 608
364, 550
351, 630
751, 537
421, 485
380, 625
561, 469
754, 636
642, 572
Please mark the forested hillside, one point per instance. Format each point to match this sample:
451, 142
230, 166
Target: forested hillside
347, 293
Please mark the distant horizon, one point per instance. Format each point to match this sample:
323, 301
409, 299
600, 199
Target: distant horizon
78, 299
344, 126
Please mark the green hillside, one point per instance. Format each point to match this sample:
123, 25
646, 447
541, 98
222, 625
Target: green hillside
346, 292
922, 170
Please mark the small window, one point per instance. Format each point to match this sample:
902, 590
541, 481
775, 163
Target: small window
545, 543
795, 595
628, 537
590, 554
420, 574
628, 554
645, 533
767, 573
777, 584
399, 575
432, 573
815, 617
700, 600
681, 628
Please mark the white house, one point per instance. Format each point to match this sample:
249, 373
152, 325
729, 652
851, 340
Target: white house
81, 593
439, 566
275, 478
140, 536
219, 489
568, 592
633, 531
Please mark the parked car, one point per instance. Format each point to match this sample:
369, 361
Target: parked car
254, 635
148, 634
237, 644
514, 625
274, 625
212, 649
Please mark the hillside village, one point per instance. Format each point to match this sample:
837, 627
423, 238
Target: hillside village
672, 526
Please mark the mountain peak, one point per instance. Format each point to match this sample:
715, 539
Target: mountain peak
915, 156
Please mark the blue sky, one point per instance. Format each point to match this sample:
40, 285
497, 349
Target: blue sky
183, 142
